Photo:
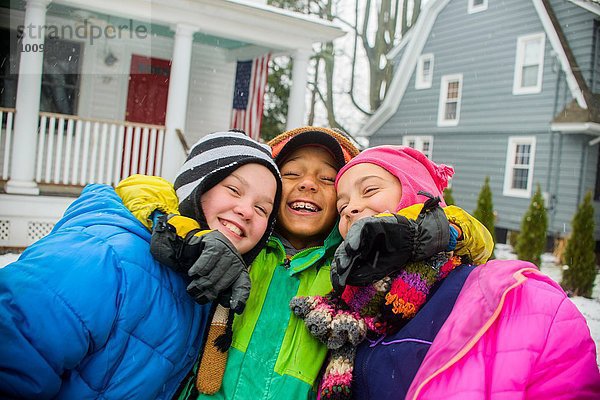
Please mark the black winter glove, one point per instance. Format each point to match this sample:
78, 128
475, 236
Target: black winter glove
220, 274
378, 246
176, 241
212, 264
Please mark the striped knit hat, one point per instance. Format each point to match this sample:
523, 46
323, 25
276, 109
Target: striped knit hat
212, 159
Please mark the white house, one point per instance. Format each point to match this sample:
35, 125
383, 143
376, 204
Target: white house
93, 91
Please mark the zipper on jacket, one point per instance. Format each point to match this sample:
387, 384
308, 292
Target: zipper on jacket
287, 262
471, 343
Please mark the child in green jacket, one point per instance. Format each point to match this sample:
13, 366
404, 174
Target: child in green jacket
272, 355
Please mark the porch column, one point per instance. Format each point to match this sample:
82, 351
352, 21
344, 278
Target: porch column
173, 152
23, 154
297, 100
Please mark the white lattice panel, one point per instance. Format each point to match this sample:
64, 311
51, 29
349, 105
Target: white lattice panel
4, 230
37, 230
26, 219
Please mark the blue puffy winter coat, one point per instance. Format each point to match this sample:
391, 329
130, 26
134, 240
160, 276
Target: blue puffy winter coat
86, 312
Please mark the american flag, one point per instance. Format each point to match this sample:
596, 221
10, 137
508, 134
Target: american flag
248, 95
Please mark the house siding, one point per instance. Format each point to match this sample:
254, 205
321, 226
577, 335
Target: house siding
104, 89
211, 92
472, 45
487, 64
578, 26
210, 87
596, 57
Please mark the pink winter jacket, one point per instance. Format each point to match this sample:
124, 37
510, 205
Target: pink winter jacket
512, 334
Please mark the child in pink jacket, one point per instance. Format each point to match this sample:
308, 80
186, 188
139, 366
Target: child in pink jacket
451, 330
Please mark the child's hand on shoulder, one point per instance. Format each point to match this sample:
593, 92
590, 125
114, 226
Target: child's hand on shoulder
208, 259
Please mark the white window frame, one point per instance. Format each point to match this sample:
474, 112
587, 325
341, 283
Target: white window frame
444, 99
520, 63
419, 141
420, 81
475, 8
513, 142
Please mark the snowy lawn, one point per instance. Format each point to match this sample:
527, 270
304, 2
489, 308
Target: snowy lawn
590, 308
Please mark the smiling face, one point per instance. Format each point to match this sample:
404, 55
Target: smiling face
307, 213
240, 205
365, 190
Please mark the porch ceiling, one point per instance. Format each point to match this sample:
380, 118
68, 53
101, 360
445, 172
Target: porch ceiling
225, 23
154, 28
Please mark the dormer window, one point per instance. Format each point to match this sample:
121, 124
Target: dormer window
476, 6
424, 72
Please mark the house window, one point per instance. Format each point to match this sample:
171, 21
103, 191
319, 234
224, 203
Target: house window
518, 175
422, 143
9, 68
60, 76
450, 96
60, 79
476, 6
529, 64
424, 72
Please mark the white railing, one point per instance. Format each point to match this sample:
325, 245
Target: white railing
77, 151
6, 131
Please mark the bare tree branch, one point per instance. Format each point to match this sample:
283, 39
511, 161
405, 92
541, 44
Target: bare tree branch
393, 21
313, 95
415, 13
351, 91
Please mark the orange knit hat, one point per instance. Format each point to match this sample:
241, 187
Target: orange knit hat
339, 145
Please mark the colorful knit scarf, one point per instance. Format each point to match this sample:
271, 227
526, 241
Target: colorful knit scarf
382, 308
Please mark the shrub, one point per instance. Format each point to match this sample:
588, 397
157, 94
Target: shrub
448, 198
513, 238
579, 255
485, 209
532, 238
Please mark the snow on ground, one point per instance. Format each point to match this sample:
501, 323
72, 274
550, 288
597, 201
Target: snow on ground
590, 308
7, 259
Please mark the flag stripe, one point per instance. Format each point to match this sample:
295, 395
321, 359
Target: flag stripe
249, 118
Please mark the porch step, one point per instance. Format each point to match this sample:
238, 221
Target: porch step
52, 189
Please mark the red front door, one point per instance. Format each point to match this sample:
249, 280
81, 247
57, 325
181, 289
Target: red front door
147, 104
148, 90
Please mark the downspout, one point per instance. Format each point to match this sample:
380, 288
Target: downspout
553, 196
565, 98
557, 175
582, 172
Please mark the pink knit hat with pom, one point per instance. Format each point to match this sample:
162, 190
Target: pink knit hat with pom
414, 170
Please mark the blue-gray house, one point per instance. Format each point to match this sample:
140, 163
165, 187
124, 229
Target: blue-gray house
507, 89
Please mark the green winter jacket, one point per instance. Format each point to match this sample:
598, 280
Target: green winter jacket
273, 355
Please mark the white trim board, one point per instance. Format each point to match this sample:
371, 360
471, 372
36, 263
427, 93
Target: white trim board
576, 127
